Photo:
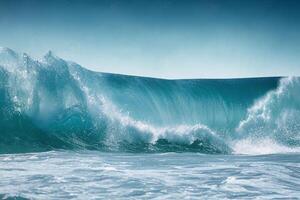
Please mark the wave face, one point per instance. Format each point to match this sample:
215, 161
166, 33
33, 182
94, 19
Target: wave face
56, 104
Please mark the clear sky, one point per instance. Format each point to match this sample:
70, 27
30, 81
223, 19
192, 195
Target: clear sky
166, 38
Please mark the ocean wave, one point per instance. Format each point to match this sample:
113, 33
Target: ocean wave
56, 104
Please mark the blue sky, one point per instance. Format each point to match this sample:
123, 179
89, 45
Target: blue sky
167, 38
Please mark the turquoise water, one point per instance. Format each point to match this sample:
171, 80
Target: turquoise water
95, 175
67, 132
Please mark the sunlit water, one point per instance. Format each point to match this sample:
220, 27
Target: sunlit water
95, 175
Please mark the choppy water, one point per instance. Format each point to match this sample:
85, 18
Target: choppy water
95, 175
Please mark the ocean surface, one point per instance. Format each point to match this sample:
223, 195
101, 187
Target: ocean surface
68, 132
96, 175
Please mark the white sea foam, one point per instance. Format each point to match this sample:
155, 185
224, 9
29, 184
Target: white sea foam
272, 123
253, 146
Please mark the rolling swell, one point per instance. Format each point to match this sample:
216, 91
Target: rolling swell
55, 104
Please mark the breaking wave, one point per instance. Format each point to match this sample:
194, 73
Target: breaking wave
55, 104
